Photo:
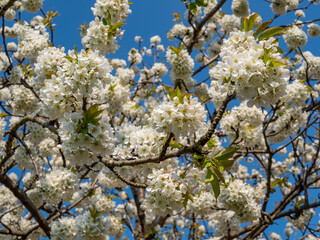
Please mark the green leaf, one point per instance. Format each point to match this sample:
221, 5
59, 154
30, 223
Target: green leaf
193, 7
112, 86
214, 181
209, 177
71, 59
262, 27
91, 115
109, 18
130, 2
94, 213
276, 63
104, 21
201, 3
170, 92
279, 182
174, 144
252, 20
226, 153
114, 28
244, 24
176, 50
217, 172
51, 72
271, 32
211, 143
222, 161
187, 196
75, 51
279, 50
179, 94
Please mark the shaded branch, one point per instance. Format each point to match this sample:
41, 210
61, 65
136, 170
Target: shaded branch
25, 200
204, 20
6, 7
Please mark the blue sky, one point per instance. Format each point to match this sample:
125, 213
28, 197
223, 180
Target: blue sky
148, 18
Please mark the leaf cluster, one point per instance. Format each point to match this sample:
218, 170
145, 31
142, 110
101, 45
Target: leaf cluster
90, 116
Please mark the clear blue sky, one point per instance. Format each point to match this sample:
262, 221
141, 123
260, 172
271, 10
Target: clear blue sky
148, 18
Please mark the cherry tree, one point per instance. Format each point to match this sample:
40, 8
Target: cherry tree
215, 136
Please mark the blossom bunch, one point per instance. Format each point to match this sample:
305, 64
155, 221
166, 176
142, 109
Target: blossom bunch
244, 67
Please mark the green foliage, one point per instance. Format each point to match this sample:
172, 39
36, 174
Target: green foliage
270, 61
281, 182
47, 21
83, 29
94, 213
112, 28
91, 115
177, 93
71, 59
262, 27
247, 24
271, 32
174, 144
186, 197
176, 50
216, 166
214, 181
197, 3
177, 17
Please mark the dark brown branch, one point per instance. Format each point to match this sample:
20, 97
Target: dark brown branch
204, 20
6, 7
177, 153
12, 131
204, 139
127, 181
25, 200
165, 147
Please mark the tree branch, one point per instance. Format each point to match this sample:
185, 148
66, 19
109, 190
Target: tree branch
25, 200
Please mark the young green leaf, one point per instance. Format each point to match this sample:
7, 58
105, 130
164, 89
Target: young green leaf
71, 59
252, 20
176, 50
262, 27
170, 92
174, 144
193, 7
214, 181
104, 21
179, 94
244, 24
271, 32
75, 51
226, 153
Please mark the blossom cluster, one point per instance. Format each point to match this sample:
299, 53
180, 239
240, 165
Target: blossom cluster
244, 67
102, 33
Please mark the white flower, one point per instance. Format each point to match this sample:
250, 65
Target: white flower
59, 184
295, 37
117, 10
314, 30
155, 39
300, 14
12, 46
240, 8
180, 118
279, 7
32, 6
239, 197
181, 64
134, 57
